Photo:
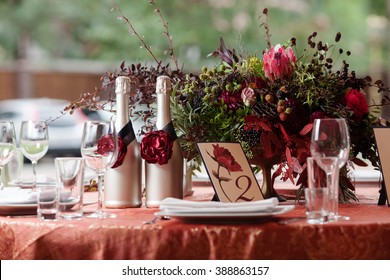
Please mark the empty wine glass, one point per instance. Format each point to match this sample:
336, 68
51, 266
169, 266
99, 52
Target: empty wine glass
99, 148
330, 138
7, 145
34, 143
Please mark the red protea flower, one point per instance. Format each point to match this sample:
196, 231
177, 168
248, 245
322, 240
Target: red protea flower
279, 63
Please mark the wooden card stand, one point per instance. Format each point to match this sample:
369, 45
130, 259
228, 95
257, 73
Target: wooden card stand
382, 137
230, 172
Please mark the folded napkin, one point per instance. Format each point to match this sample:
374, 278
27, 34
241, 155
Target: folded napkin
16, 195
180, 205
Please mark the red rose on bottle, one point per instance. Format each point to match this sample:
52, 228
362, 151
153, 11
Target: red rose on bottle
156, 147
225, 159
106, 144
356, 101
122, 151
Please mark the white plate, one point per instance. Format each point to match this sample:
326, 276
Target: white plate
201, 216
11, 209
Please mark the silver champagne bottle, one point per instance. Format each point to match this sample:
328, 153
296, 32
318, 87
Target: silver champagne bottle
123, 184
165, 180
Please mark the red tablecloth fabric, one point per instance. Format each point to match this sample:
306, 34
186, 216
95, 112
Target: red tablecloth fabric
365, 236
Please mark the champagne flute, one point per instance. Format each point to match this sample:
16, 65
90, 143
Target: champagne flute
7, 145
330, 138
34, 143
99, 147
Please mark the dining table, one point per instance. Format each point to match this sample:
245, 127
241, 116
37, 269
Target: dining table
135, 234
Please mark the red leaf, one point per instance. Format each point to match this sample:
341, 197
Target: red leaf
264, 126
285, 134
306, 129
288, 156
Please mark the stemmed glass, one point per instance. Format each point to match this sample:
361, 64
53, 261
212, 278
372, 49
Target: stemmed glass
7, 145
99, 147
34, 143
330, 138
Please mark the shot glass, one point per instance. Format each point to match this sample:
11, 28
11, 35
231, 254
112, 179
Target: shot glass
47, 199
323, 172
70, 182
317, 205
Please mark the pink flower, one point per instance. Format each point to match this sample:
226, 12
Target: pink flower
248, 96
278, 63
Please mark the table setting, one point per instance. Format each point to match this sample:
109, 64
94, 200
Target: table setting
252, 122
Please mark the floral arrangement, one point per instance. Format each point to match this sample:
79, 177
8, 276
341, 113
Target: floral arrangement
268, 103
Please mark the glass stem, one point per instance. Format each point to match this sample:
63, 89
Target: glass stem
34, 169
100, 194
1, 178
332, 191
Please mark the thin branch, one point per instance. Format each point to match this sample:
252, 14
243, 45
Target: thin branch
165, 24
134, 32
266, 27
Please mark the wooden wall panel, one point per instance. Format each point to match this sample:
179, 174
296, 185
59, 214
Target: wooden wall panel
62, 85
7, 84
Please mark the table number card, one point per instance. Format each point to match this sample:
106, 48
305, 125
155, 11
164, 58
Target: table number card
382, 136
230, 172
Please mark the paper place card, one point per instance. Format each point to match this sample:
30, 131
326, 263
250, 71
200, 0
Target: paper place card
382, 136
230, 172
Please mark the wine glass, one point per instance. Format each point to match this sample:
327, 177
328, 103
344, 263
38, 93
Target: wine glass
99, 147
34, 143
7, 145
330, 138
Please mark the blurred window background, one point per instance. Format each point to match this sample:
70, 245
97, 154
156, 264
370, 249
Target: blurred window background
59, 49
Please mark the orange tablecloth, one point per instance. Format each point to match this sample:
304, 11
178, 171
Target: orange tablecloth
365, 236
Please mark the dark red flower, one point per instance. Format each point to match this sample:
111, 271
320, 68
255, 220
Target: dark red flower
106, 145
156, 147
122, 151
225, 159
317, 115
356, 101
231, 99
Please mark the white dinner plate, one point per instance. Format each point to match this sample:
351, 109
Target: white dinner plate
28, 185
201, 216
11, 209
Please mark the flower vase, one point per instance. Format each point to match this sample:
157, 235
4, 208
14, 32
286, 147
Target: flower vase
266, 164
187, 178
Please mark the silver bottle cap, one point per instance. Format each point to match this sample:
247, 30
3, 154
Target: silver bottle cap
163, 85
122, 84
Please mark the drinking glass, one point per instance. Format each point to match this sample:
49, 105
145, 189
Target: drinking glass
99, 148
7, 145
34, 142
330, 138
